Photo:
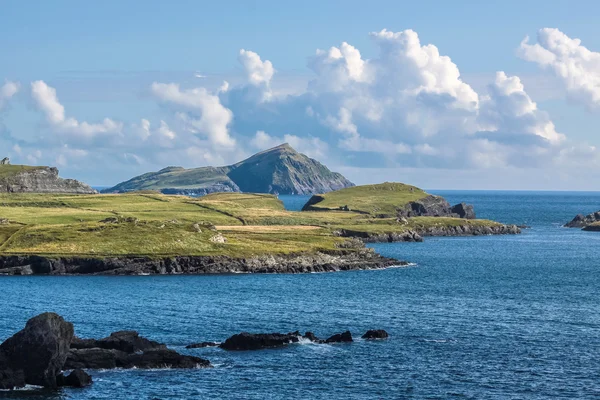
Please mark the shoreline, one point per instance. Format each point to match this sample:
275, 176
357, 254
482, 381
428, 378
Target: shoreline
324, 261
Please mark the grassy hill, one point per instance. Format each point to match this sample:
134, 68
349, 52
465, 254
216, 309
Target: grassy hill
278, 170
381, 200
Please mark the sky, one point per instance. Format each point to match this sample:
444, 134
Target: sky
442, 95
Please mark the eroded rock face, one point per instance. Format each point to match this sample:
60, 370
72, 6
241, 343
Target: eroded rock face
435, 206
36, 354
42, 180
581, 221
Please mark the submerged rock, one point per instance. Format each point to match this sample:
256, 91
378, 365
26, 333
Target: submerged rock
340, 338
257, 341
375, 334
36, 354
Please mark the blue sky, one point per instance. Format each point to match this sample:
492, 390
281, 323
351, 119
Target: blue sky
124, 75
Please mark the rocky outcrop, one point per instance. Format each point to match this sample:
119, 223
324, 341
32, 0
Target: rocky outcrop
378, 237
375, 334
77, 378
581, 221
435, 206
127, 349
36, 354
257, 341
469, 230
22, 179
339, 260
344, 337
202, 345
595, 227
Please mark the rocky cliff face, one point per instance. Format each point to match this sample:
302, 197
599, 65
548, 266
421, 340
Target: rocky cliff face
436, 206
23, 179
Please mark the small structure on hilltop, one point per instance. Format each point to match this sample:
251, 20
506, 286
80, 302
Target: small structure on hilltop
5, 161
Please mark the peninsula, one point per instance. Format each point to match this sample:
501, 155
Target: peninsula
279, 170
151, 233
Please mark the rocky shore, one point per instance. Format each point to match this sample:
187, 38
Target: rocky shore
586, 222
417, 234
339, 260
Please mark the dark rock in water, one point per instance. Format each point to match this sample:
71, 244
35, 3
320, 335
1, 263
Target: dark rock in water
202, 345
375, 334
10, 378
463, 210
592, 228
77, 378
340, 338
38, 352
523, 226
257, 341
125, 341
95, 358
163, 358
581, 221
312, 337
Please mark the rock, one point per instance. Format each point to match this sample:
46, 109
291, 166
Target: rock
39, 351
95, 358
322, 261
523, 226
312, 337
128, 342
202, 345
5, 161
196, 228
257, 341
77, 378
375, 334
218, 238
595, 227
4, 221
463, 210
10, 378
340, 338
581, 221
25, 179
163, 358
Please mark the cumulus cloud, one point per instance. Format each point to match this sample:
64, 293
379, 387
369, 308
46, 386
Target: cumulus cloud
204, 112
258, 71
577, 67
311, 146
47, 101
8, 90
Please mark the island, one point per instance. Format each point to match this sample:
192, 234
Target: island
147, 232
280, 170
590, 222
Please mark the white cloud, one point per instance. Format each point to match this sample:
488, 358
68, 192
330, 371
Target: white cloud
8, 90
47, 101
208, 116
311, 146
577, 67
258, 71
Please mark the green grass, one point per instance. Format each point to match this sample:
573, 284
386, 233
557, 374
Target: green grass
377, 200
162, 225
7, 171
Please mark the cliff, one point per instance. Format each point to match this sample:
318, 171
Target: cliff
278, 170
28, 179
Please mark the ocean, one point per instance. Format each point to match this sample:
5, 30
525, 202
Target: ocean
476, 317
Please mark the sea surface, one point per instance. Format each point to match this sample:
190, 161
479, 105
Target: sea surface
497, 317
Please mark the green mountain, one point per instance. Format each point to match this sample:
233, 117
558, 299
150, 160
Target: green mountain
278, 170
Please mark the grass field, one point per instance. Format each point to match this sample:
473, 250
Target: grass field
153, 224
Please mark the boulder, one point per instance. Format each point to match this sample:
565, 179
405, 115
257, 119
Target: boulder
375, 334
95, 358
77, 378
38, 352
312, 337
463, 210
340, 338
257, 341
202, 345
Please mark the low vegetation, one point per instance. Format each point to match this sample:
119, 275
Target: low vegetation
234, 224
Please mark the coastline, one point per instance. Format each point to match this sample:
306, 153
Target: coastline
322, 261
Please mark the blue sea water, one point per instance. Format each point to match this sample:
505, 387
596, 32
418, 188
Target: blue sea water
476, 318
